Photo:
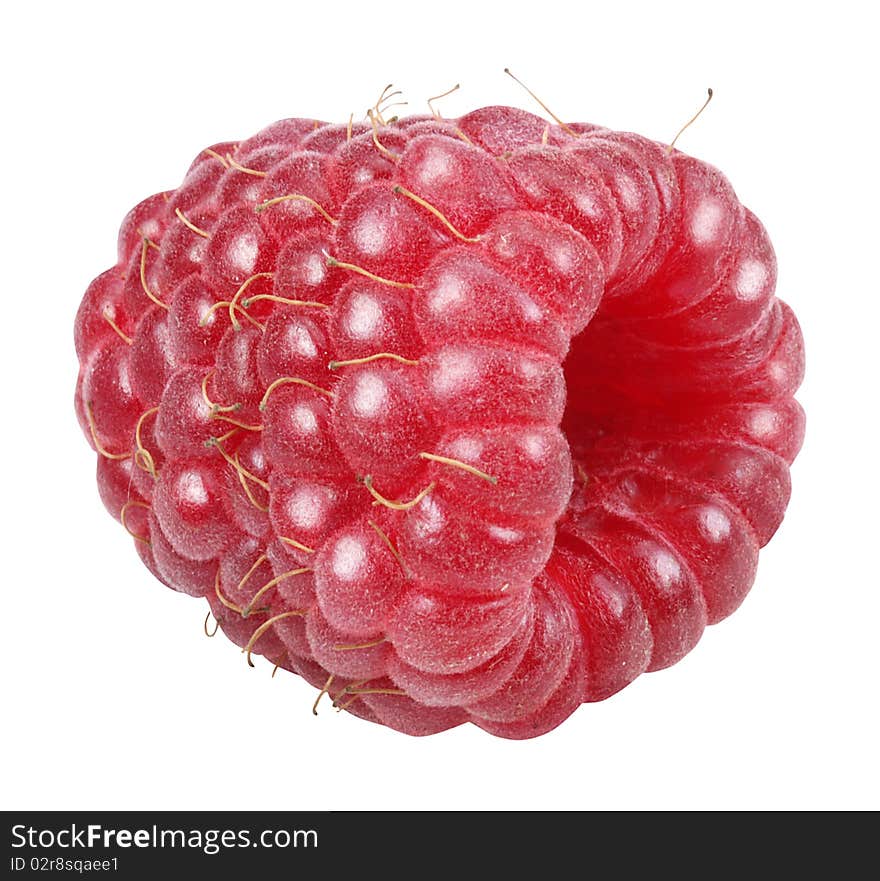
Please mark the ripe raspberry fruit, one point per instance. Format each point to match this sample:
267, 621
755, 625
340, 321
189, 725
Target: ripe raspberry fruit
466, 420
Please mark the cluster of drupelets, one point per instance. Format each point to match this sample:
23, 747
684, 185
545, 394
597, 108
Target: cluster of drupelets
326, 385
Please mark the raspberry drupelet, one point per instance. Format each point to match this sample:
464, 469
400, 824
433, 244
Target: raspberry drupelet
465, 420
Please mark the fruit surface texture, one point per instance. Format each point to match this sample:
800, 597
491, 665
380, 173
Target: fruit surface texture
468, 420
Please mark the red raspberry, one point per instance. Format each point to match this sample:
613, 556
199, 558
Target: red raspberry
468, 420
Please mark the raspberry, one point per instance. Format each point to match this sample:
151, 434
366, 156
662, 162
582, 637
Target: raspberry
460, 420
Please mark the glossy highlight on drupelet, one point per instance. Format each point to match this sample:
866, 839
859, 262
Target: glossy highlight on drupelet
467, 420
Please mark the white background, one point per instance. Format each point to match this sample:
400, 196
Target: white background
113, 698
